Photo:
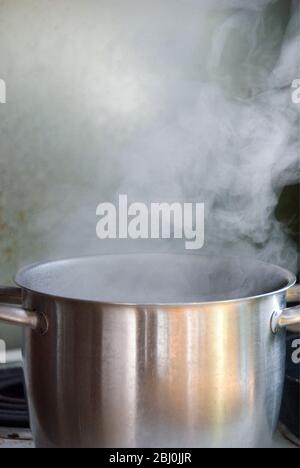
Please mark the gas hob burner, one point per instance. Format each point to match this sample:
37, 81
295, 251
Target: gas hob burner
290, 411
13, 404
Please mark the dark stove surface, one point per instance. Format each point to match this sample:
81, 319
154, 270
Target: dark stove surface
290, 411
13, 404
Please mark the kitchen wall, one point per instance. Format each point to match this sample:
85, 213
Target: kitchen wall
79, 88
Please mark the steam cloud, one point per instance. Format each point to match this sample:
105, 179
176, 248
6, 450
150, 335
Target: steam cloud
166, 101
236, 145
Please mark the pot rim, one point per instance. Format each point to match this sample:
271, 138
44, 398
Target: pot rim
291, 281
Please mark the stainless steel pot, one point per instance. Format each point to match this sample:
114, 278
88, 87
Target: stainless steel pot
152, 350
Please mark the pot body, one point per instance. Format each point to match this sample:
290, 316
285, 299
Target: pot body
206, 375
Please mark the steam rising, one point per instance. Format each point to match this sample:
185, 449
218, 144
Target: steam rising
165, 101
157, 279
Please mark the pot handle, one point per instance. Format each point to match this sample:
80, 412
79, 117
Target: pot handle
12, 313
293, 294
290, 316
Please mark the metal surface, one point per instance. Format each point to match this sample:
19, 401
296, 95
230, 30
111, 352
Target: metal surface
189, 375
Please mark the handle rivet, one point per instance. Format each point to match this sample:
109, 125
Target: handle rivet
275, 322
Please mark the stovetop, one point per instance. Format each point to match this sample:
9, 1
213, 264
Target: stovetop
14, 417
10, 440
15, 438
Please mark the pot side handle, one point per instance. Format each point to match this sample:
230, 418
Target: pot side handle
293, 294
290, 316
12, 313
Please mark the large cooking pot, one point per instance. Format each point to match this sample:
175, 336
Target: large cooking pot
152, 350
